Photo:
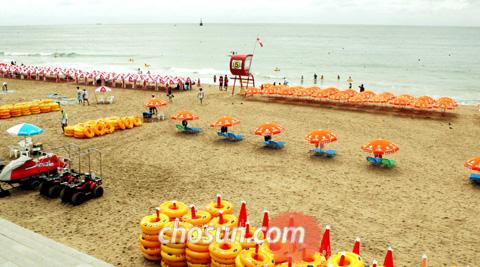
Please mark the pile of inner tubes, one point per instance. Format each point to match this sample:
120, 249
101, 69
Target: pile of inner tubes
28, 108
101, 127
163, 240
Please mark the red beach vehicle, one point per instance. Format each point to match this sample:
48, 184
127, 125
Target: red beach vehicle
28, 173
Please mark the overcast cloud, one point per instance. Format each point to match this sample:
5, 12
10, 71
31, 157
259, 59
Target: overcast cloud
396, 12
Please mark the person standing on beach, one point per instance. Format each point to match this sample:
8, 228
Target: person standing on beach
349, 81
5, 87
315, 78
79, 95
225, 82
301, 80
64, 120
214, 78
220, 83
153, 110
85, 97
201, 95
338, 77
362, 88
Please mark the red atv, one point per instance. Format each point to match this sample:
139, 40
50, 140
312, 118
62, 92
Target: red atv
28, 173
76, 188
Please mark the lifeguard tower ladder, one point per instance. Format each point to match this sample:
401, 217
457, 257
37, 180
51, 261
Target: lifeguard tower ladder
240, 69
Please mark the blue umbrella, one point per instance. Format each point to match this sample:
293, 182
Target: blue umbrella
25, 129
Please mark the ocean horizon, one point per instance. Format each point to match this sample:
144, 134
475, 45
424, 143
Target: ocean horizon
419, 60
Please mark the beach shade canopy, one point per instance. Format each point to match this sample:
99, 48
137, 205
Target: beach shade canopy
350, 92
103, 89
380, 147
320, 137
269, 90
184, 116
268, 129
25, 129
225, 121
473, 164
252, 91
427, 99
382, 98
401, 101
153, 103
445, 103
340, 96
422, 103
325, 93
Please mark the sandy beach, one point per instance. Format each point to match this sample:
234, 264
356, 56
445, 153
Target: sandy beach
424, 205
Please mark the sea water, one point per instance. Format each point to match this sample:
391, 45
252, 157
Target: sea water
435, 61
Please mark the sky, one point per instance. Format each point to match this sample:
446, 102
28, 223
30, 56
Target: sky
378, 12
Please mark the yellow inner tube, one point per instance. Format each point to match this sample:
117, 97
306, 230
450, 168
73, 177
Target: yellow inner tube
172, 257
172, 212
150, 225
226, 207
351, 260
89, 133
202, 218
229, 220
109, 127
225, 251
148, 243
152, 257
197, 255
99, 129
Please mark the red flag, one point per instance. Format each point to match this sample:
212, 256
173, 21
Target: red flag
259, 42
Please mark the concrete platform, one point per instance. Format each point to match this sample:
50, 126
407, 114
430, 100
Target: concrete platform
23, 248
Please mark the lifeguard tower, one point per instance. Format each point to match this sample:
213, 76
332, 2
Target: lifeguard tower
240, 69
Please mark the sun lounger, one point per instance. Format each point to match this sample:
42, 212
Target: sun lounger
475, 178
374, 161
187, 129
274, 144
222, 134
317, 152
234, 137
330, 153
388, 163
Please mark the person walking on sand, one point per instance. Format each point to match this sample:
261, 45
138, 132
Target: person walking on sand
79, 95
225, 82
64, 120
220, 83
85, 97
4, 87
170, 94
201, 95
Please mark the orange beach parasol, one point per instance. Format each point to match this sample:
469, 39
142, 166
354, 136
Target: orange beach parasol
184, 115
268, 129
153, 103
320, 137
473, 164
380, 147
225, 121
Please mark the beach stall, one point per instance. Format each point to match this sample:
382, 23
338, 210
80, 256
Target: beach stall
103, 95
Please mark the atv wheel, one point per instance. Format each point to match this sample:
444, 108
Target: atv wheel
78, 198
54, 191
98, 191
4, 193
43, 188
34, 184
65, 195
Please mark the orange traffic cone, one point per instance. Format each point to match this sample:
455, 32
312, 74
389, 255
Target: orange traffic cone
424, 261
356, 246
265, 222
342, 262
388, 262
325, 249
242, 216
374, 263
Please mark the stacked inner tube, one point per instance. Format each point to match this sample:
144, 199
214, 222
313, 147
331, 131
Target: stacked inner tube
149, 242
28, 108
101, 127
224, 254
173, 252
